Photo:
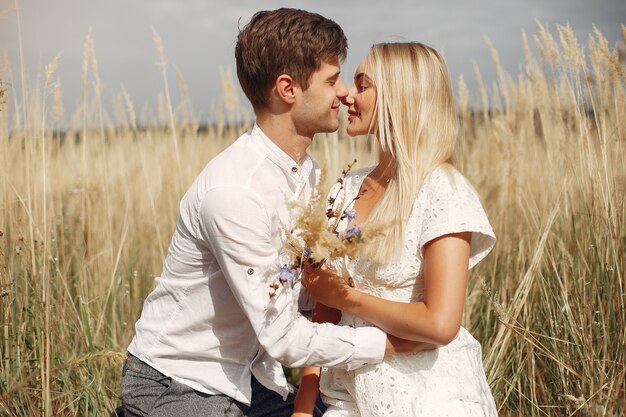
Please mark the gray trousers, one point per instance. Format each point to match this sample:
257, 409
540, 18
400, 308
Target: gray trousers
147, 392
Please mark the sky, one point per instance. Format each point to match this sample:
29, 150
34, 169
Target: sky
199, 37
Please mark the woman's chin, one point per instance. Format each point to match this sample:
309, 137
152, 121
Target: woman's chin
351, 131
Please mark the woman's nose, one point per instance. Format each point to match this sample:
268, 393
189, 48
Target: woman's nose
347, 100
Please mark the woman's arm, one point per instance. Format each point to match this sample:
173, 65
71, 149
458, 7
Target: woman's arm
304, 403
434, 320
309, 383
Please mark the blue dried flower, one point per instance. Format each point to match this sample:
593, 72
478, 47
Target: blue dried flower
306, 253
351, 215
352, 231
285, 274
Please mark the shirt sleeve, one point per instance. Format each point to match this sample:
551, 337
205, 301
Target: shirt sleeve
452, 205
237, 228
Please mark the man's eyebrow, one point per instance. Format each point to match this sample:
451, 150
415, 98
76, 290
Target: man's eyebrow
335, 75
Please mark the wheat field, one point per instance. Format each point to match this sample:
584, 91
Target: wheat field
86, 214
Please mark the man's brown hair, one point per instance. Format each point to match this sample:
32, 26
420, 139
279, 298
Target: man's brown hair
284, 41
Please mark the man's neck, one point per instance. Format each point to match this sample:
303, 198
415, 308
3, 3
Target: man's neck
283, 133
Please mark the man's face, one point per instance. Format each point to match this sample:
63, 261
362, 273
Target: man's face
317, 107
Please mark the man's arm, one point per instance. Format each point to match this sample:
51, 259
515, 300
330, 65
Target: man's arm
235, 225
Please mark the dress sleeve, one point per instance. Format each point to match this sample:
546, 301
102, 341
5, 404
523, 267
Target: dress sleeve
452, 205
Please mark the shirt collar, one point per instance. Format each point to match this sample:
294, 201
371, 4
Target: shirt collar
280, 157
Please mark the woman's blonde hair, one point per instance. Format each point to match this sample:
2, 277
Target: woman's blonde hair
416, 123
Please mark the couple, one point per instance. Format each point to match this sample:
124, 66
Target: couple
205, 345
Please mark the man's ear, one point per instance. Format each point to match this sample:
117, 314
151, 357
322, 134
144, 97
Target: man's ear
286, 88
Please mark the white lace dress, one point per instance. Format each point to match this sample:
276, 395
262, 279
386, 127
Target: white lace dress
449, 381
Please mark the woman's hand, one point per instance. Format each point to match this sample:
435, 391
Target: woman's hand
437, 318
328, 288
434, 320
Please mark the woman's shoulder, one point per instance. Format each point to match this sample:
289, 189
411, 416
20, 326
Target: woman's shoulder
444, 173
446, 189
452, 205
446, 179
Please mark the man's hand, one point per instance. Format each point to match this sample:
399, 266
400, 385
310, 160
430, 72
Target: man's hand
328, 288
397, 346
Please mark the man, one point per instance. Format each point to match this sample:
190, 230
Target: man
205, 343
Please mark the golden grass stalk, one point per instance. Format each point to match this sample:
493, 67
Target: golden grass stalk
85, 224
168, 101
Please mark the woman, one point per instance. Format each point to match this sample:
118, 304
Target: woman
412, 284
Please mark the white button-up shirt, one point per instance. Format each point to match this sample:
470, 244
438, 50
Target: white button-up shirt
210, 322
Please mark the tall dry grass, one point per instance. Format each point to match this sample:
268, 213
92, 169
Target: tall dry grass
86, 216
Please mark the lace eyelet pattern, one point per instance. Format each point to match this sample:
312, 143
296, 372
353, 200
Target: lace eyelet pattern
449, 381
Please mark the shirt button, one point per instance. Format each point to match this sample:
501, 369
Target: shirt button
294, 169
250, 271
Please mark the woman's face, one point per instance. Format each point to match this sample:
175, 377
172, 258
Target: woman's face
361, 102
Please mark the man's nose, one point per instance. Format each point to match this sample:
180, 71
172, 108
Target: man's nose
342, 90
348, 99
